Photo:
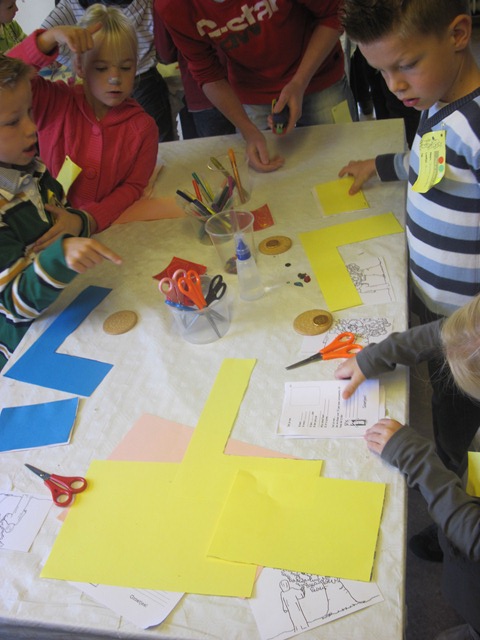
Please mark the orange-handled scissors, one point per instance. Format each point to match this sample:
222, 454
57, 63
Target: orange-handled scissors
191, 287
343, 346
62, 488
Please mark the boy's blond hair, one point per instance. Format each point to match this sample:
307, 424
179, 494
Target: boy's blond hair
12, 71
117, 30
366, 21
461, 345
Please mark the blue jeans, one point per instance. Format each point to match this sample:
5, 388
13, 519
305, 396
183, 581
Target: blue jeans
316, 107
211, 122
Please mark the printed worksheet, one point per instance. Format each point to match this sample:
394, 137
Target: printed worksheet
21, 516
143, 607
287, 603
316, 409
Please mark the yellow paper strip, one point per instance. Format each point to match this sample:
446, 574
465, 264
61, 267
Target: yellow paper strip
473, 481
329, 269
313, 525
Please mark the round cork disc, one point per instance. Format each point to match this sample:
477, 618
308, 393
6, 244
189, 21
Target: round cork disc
313, 322
120, 322
274, 245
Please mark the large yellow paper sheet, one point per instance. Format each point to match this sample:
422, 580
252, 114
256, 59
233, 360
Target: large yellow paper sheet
329, 269
333, 197
473, 480
322, 526
167, 511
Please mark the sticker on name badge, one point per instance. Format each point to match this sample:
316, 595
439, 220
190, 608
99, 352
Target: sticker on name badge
432, 161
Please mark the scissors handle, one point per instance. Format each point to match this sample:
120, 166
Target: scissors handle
216, 289
191, 287
63, 488
340, 341
348, 351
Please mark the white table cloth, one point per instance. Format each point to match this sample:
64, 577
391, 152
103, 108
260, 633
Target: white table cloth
155, 371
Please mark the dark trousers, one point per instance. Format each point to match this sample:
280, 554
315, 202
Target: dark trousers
455, 417
151, 92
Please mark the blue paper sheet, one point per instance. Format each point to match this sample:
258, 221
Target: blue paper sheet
37, 425
41, 365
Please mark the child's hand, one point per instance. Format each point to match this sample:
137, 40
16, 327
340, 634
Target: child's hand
349, 369
361, 170
378, 435
65, 223
77, 39
84, 253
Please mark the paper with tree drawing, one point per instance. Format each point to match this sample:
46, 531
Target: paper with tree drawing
287, 603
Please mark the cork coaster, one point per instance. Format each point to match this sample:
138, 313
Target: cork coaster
274, 245
313, 322
120, 322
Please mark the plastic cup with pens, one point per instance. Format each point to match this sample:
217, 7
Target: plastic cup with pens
230, 178
198, 213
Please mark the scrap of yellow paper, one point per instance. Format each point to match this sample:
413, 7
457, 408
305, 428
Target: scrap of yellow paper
68, 174
329, 269
176, 516
299, 523
432, 161
473, 481
341, 112
333, 197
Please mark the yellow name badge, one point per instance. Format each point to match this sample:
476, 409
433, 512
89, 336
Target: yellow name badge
432, 161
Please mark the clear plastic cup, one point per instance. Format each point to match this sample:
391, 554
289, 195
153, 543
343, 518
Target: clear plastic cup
223, 228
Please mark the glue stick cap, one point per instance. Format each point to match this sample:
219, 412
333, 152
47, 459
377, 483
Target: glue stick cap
242, 250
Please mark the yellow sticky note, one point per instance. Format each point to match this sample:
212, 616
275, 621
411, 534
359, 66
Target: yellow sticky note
299, 523
329, 269
168, 512
473, 480
333, 197
341, 112
68, 174
432, 161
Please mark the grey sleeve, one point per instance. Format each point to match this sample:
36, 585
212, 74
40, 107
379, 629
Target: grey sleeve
407, 347
455, 512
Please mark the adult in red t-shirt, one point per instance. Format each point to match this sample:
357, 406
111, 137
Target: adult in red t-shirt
284, 49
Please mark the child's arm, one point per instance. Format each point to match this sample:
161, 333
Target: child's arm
28, 288
77, 39
408, 347
66, 223
455, 512
84, 253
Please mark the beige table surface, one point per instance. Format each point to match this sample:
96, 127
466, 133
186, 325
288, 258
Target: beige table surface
154, 368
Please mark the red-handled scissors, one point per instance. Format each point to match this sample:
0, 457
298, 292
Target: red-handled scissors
191, 287
62, 488
343, 346
169, 286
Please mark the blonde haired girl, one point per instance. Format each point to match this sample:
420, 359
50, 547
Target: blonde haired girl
95, 123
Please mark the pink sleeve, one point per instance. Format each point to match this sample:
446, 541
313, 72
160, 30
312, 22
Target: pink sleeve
28, 51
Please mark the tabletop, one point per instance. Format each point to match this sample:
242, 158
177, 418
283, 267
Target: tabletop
155, 371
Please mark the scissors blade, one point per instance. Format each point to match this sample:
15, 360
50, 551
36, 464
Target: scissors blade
314, 358
41, 474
